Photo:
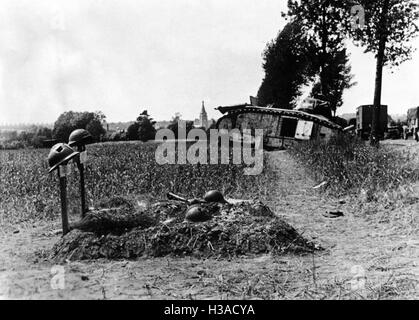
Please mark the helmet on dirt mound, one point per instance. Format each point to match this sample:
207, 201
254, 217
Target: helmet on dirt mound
60, 154
214, 196
197, 214
79, 137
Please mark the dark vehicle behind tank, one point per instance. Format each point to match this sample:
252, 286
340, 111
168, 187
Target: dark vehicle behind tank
364, 121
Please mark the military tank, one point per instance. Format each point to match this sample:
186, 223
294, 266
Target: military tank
307, 122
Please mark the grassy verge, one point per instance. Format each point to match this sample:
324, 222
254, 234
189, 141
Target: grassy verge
382, 183
351, 166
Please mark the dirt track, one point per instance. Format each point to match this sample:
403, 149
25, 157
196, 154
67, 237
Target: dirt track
383, 253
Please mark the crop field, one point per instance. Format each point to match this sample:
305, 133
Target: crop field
28, 193
371, 252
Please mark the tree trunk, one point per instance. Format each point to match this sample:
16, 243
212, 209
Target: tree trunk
374, 138
323, 57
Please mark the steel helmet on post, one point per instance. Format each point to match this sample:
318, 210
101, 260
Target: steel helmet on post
80, 137
60, 154
214, 196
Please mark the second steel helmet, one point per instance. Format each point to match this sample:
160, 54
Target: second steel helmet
79, 137
214, 196
60, 154
197, 214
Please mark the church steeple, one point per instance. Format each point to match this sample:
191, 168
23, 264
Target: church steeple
203, 118
203, 108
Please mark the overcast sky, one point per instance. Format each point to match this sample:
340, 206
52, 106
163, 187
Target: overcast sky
123, 56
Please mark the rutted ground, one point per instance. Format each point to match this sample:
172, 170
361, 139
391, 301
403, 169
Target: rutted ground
382, 254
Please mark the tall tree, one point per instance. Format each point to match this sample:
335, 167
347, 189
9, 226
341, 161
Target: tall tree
146, 130
287, 67
389, 27
143, 128
336, 78
322, 21
69, 121
132, 131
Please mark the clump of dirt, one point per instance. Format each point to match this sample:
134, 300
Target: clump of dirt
116, 216
119, 230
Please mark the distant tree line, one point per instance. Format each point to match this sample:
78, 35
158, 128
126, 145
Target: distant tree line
142, 129
34, 137
42, 137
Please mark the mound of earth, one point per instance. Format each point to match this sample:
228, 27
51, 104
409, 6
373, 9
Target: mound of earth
119, 229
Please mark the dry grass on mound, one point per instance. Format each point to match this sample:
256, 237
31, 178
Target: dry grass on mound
245, 228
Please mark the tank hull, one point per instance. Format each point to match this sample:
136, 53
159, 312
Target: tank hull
278, 124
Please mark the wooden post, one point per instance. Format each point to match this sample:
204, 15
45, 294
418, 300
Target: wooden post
82, 190
80, 166
62, 175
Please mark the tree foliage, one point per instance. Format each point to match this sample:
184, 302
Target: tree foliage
399, 27
132, 132
142, 129
70, 121
287, 68
336, 78
34, 137
324, 23
146, 130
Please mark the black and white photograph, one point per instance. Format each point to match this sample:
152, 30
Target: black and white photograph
209, 150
